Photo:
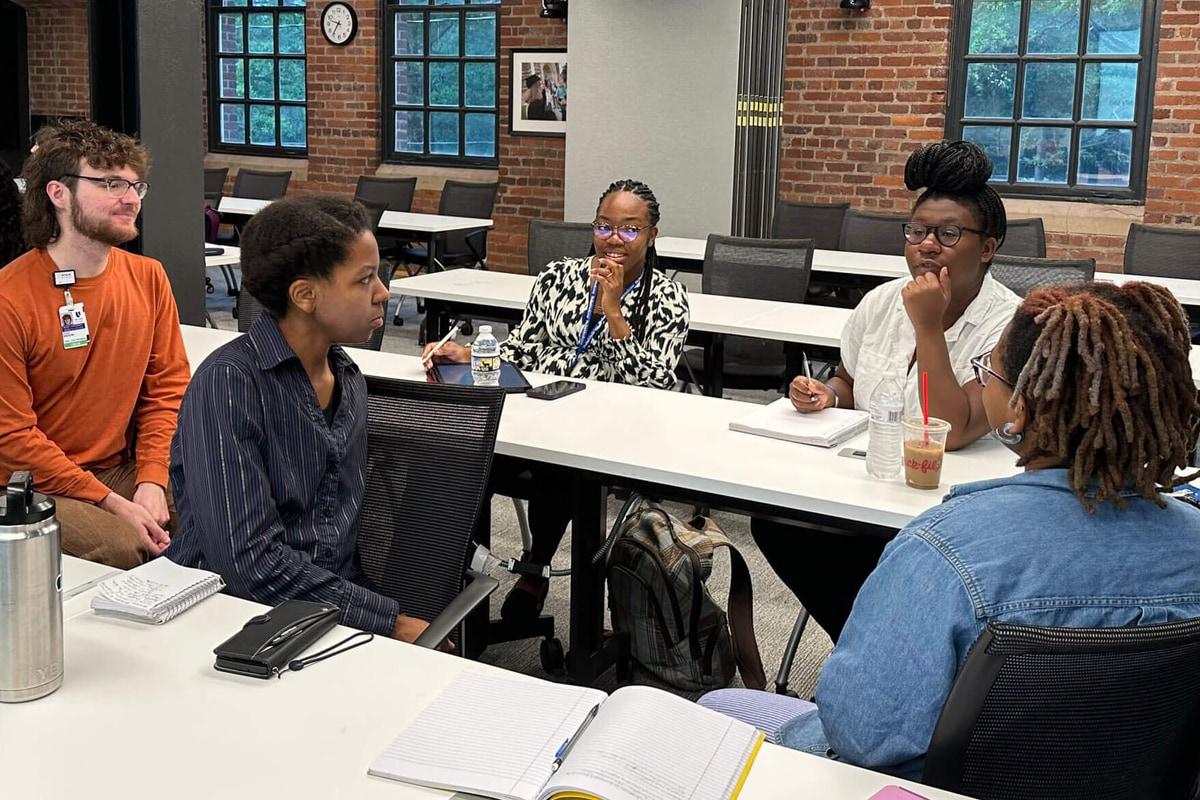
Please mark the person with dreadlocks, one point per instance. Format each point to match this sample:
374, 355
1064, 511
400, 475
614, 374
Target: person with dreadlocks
1090, 386
935, 321
613, 316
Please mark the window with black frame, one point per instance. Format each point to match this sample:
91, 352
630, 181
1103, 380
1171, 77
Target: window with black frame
440, 81
1059, 93
257, 87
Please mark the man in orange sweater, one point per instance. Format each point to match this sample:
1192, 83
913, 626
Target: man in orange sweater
92, 364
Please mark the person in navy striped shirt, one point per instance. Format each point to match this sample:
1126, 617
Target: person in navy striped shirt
269, 459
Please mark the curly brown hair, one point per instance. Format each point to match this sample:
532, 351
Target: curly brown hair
61, 146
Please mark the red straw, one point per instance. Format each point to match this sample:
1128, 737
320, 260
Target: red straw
925, 401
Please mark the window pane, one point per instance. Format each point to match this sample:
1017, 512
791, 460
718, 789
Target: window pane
443, 84
262, 33
1109, 91
291, 80
448, 2
443, 133
485, 2
996, 141
410, 35
262, 125
1115, 26
410, 83
1044, 155
233, 123
291, 33
991, 89
230, 37
292, 132
481, 33
233, 77
265, 3
410, 132
1049, 91
233, 2
262, 80
1053, 26
481, 85
995, 25
481, 135
1104, 156
299, 3
443, 34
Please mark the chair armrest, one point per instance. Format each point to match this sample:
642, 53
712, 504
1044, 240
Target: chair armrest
478, 589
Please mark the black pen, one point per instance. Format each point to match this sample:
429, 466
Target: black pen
565, 749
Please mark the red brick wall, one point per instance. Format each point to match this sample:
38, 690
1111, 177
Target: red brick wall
1173, 188
59, 82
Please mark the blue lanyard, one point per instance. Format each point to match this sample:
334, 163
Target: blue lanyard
585, 337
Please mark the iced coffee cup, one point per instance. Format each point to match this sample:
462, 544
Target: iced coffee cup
924, 446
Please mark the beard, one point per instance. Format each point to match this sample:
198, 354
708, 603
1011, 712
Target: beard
101, 230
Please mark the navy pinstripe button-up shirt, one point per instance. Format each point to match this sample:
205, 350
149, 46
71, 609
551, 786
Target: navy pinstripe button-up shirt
267, 492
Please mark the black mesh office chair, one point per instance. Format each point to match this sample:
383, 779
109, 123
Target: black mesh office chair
1073, 714
873, 232
764, 269
459, 248
214, 185
1024, 237
261, 185
430, 450
1163, 252
1025, 274
552, 240
820, 222
395, 194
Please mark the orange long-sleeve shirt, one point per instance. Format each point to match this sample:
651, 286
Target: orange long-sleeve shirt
63, 412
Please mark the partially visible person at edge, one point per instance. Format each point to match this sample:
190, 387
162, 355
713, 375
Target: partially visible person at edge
12, 242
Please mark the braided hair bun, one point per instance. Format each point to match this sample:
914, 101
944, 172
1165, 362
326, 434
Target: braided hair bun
958, 171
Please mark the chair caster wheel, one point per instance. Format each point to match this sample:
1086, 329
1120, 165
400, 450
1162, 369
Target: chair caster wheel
398, 321
467, 329
553, 658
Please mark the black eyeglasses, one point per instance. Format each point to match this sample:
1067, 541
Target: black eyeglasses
117, 187
983, 369
627, 233
947, 235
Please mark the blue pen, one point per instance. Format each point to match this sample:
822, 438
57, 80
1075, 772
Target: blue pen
565, 748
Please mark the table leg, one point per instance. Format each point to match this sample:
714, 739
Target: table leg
437, 320
714, 362
586, 655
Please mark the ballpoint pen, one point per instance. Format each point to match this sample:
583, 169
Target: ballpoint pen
808, 374
565, 748
449, 335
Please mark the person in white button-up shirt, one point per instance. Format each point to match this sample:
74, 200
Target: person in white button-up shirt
949, 311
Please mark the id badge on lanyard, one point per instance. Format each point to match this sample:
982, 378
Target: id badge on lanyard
70, 316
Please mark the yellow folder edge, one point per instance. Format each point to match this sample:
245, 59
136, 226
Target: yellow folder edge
737, 789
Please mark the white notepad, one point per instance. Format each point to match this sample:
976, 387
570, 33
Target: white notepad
780, 420
155, 592
498, 737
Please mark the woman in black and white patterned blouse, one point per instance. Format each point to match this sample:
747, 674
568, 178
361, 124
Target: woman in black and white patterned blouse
614, 316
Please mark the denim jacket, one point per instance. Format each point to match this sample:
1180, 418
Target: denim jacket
1020, 549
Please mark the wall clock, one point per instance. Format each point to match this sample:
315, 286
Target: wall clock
339, 23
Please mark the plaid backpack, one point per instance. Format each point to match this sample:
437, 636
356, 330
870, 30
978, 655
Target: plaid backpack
657, 566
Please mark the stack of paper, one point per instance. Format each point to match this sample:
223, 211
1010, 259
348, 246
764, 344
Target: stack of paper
155, 592
780, 420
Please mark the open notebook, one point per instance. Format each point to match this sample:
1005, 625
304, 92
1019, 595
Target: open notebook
499, 737
780, 420
155, 592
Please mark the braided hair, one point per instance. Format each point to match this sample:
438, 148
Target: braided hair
1105, 377
297, 237
637, 321
958, 171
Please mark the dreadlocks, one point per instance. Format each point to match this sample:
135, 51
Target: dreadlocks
958, 171
1105, 377
640, 190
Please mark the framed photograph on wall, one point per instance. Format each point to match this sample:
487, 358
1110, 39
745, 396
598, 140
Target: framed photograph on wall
538, 93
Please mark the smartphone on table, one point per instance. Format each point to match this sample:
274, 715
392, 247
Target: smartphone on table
555, 390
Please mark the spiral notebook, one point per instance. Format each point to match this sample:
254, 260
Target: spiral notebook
155, 592
780, 420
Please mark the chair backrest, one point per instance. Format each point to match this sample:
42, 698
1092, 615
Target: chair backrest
214, 180
551, 240
1073, 714
873, 232
396, 194
763, 269
429, 452
260, 184
1163, 252
1024, 274
248, 310
820, 222
463, 199
375, 211
1024, 237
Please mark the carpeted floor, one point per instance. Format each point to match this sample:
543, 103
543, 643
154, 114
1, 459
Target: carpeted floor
775, 608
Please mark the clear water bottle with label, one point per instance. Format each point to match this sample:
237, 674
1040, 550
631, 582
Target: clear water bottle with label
485, 358
884, 432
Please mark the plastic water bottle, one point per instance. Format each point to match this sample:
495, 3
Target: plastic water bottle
884, 432
485, 358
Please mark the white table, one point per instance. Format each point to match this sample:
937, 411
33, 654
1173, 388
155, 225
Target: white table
143, 714
78, 575
873, 265
243, 206
230, 256
430, 223
1186, 291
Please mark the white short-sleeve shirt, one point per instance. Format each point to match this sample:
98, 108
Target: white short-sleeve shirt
879, 339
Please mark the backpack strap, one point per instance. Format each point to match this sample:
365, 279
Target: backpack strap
741, 614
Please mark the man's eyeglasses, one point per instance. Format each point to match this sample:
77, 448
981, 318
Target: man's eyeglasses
984, 372
947, 235
117, 187
627, 233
